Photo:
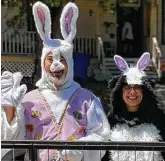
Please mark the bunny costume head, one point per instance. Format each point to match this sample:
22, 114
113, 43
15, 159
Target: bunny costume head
56, 47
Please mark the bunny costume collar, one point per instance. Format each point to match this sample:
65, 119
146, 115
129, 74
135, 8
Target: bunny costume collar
134, 74
56, 47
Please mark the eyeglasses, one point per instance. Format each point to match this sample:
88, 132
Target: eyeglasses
134, 87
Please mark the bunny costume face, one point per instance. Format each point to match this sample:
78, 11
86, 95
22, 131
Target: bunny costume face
134, 74
56, 47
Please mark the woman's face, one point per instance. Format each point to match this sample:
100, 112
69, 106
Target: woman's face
132, 96
49, 61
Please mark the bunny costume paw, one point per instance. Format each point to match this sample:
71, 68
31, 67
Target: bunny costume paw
11, 90
72, 155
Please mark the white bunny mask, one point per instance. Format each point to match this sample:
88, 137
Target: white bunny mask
134, 74
57, 47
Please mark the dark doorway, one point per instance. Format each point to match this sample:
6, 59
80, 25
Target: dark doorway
129, 31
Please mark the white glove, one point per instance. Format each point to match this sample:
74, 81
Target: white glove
71, 155
11, 91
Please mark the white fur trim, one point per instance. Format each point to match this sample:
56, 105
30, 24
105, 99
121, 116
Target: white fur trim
143, 132
47, 28
134, 76
69, 38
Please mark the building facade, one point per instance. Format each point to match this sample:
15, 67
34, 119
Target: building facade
128, 28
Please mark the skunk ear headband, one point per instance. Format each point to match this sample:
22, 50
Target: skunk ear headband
133, 74
141, 64
67, 21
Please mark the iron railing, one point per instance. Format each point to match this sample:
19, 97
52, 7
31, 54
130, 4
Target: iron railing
34, 146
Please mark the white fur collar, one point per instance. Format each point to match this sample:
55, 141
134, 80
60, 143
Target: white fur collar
143, 132
57, 100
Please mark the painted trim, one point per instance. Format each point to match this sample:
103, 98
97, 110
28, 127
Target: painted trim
17, 59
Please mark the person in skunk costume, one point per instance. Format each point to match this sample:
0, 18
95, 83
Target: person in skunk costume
59, 109
134, 111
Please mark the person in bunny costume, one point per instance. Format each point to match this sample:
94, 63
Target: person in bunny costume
134, 113
59, 109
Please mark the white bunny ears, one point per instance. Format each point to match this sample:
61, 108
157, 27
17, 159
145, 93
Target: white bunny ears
67, 21
42, 19
141, 64
133, 74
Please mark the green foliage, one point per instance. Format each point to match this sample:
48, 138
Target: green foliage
17, 21
13, 3
10, 3
107, 5
53, 3
103, 4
